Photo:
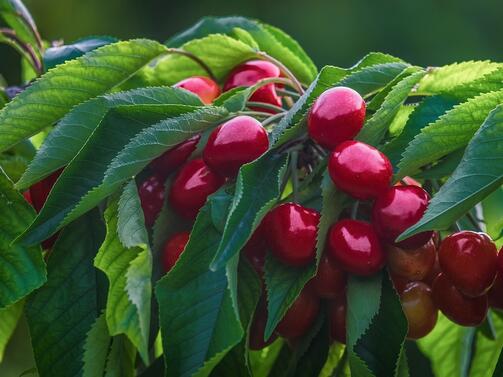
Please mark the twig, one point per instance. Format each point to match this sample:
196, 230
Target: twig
283, 69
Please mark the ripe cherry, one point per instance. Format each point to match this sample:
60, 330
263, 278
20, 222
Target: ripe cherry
257, 328
234, 143
434, 272
330, 280
500, 260
360, 170
151, 194
397, 209
204, 87
336, 116
175, 157
399, 282
469, 260
337, 319
356, 247
192, 186
461, 309
27, 197
495, 294
300, 316
413, 264
291, 233
419, 308
249, 73
173, 248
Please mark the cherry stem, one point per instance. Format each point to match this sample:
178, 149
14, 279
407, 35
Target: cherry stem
283, 69
254, 113
294, 155
265, 106
354, 210
195, 59
285, 92
272, 119
23, 48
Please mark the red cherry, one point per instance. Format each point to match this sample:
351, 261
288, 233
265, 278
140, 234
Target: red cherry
397, 209
330, 280
434, 272
337, 319
419, 308
40, 190
355, 245
336, 116
175, 157
300, 316
469, 260
291, 233
257, 328
461, 309
495, 294
399, 282
173, 248
27, 197
500, 260
205, 88
234, 143
249, 73
360, 170
192, 186
151, 194
413, 264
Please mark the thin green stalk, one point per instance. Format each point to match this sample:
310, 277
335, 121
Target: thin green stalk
294, 173
265, 106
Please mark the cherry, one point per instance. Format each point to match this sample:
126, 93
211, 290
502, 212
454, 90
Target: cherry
173, 248
399, 282
355, 245
337, 319
434, 272
175, 157
234, 143
257, 328
151, 194
248, 74
397, 209
419, 308
469, 260
205, 88
330, 280
360, 170
300, 316
192, 186
413, 264
495, 294
337, 115
461, 309
291, 233
500, 260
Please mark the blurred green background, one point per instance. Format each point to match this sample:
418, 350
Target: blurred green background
339, 32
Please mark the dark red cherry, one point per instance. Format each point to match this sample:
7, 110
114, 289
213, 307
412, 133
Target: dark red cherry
336, 116
151, 194
360, 170
257, 328
414, 264
355, 246
500, 260
192, 186
234, 143
330, 279
173, 248
434, 272
337, 319
398, 281
249, 73
291, 233
461, 309
396, 210
300, 316
495, 294
419, 308
469, 260
27, 197
172, 159
204, 87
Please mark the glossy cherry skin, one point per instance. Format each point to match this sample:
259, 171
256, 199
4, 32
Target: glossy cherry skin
337, 115
172, 250
234, 143
330, 279
419, 308
172, 159
291, 233
469, 260
249, 73
192, 186
300, 316
397, 209
257, 328
204, 87
355, 246
460, 309
337, 319
360, 170
151, 194
413, 264
495, 294
500, 260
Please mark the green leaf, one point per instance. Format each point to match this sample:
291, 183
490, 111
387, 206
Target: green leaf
421, 365
15, 14
486, 353
450, 132
479, 173
498, 371
96, 348
492, 207
261, 362
10, 317
61, 312
375, 58
22, 269
70, 84
121, 359
444, 167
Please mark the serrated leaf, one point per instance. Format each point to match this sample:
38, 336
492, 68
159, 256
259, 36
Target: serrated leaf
61, 312
9, 320
121, 359
261, 362
450, 132
479, 173
23, 268
421, 365
96, 348
498, 371
70, 84
15, 14
375, 58
492, 207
